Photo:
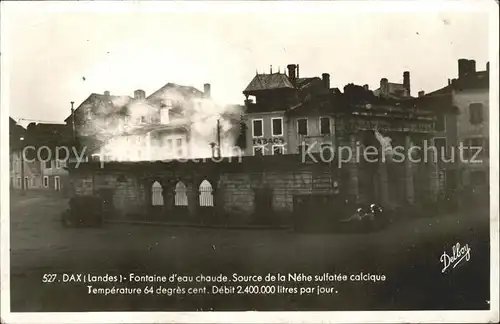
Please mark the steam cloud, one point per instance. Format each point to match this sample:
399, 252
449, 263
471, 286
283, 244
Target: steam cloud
135, 130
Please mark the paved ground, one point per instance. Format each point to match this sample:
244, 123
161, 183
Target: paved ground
407, 253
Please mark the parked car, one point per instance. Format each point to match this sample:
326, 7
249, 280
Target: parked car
84, 211
365, 218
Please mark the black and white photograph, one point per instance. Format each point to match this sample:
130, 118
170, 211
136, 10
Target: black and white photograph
249, 161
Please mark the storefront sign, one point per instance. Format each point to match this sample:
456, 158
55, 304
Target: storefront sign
265, 141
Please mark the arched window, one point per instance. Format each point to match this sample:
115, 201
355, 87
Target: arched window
181, 194
156, 194
206, 197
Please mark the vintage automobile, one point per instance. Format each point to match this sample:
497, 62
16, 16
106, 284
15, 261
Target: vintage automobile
366, 218
83, 211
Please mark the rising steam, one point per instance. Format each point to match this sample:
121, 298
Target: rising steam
136, 130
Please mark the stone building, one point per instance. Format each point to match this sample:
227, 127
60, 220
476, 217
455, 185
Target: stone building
173, 122
265, 185
45, 149
468, 127
269, 97
21, 172
231, 191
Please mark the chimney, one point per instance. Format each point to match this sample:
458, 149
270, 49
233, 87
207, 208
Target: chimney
384, 86
298, 74
139, 94
366, 87
421, 93
449, 81
406, 82
488, 67
206, 90
472, 67
291, 72
462, 67
326, 80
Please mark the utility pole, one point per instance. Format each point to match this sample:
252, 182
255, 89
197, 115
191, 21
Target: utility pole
218, 139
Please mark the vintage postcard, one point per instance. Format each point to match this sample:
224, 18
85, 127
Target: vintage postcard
249, 162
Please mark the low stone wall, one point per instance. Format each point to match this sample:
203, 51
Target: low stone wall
251, 191
127, 187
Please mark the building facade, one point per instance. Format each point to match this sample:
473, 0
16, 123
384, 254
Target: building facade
173, 122
466, 132
290, 124
269, 100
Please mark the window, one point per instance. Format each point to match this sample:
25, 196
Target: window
156, 194
476, 113
257, 128
206, 197
165, 115
48, 164
278, 149
324, 125
19, 184
258, 150
33, 182
179, 147
170, 146
58, 164
302, 126
168, 103
45, 181
440, 124
277, 126
143, 119
180, 194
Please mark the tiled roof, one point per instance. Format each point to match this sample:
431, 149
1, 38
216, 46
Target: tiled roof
103, 104
442, 102
185, 91
48, 134
357, 100
479, 80
269, 82
305, 82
